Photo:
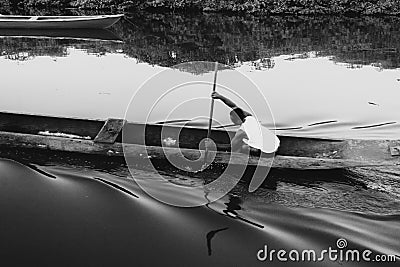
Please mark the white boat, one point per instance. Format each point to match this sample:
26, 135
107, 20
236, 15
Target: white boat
58, 22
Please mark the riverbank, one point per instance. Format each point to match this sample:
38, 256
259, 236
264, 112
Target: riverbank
271, 7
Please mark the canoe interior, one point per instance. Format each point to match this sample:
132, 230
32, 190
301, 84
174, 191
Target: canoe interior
191, 137
33, 124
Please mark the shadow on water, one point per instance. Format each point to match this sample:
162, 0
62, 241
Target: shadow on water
28, 157
371, 190
117, 166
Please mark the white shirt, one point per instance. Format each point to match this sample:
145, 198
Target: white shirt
259, 136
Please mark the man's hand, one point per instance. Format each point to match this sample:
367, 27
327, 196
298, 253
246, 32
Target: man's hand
224, 99
215, 95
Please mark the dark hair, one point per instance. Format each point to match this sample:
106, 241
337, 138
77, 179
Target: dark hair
240, 113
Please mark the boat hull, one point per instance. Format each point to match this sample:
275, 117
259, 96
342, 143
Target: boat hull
60, 22
142, 152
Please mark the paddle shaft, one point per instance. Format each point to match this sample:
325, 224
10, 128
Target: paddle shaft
211, 108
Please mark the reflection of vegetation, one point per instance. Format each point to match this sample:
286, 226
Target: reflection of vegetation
199, 67
27, 49
169, 39
23, 49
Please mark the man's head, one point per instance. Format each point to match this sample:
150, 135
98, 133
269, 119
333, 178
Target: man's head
237, 116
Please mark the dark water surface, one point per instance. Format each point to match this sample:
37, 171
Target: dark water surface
66, 209
322, 76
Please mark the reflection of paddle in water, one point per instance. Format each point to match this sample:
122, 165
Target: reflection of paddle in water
210, 236
232, 206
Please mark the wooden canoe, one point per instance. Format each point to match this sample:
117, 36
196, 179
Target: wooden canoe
58, 22
160, 141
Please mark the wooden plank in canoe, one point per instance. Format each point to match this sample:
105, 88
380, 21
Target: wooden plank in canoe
110, 131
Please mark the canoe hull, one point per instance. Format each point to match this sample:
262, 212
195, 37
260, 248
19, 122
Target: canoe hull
61, 22
147, 140
141, 152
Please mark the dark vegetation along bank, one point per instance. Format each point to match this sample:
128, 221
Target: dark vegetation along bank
302, 7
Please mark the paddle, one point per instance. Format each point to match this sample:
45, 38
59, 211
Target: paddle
211, 110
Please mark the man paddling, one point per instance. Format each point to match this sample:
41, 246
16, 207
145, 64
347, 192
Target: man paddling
251, 136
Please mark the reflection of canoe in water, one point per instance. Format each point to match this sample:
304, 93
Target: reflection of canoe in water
105, 138
58, 22
77, 34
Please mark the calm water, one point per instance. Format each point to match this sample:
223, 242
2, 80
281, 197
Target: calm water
335, 77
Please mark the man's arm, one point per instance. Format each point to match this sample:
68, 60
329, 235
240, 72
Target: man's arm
224, 99
227, 102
